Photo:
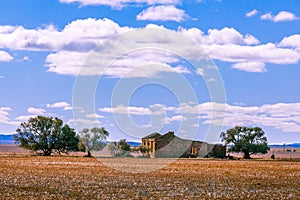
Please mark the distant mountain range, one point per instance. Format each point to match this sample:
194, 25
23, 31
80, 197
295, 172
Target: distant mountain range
8, 139
294, 145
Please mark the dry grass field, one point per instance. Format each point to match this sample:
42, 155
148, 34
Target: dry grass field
74, 177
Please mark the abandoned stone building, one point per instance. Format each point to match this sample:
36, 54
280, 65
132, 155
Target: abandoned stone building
171, 146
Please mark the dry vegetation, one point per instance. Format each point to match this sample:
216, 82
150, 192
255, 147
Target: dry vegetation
33, 177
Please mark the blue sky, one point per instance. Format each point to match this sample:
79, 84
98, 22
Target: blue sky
47, 50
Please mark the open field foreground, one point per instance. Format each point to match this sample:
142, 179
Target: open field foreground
34, 177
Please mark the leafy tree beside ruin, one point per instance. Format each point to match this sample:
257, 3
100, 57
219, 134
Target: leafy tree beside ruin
248, 140
93, 139
144, 149
119, 148
44, 135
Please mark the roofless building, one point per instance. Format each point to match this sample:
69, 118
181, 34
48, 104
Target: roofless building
171, 146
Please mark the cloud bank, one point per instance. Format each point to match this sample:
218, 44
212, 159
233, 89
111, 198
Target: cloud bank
281, 116
72, 45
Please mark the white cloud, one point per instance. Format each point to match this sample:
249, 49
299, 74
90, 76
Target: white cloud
86, 123
226, 45
142, 63
155, 109
4, 115
179, 69
266, 16
1, 76
195, 125
68, 108
119, 4
6, 108
200, 71
35, 111
94, 115
266, 53
282, 16
79, 35
24, 118
26, 58
75, 42
250, 66
282, 116
250, 40
162, 13
66, 62
64, 105
176, 118
251, 13
291, 41
131, 110
5, 57
223, 36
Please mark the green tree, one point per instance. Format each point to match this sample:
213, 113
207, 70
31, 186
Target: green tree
248, 140
93, 139
45, 135
119, 148
124, 145
144, 149
113, 148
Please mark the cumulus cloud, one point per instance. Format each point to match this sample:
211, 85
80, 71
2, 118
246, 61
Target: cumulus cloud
131, 110
80, 35
265, 53
141, 63
223, 36
251, 13
35, 111
4, 115
94, 115
226, 44
66, 62
176, 118
162, 13
281, 116
200, 71
74, 43
24, 118
250, 66
291, 41
86, 123
119, 4
72, 46
64, 105
5, 57
282, 16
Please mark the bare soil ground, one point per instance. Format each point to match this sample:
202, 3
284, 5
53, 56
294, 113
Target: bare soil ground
11, 149
74, 177
280, 153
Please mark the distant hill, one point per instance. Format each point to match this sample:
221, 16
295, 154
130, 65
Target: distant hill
6, 139
134, 144
294, 145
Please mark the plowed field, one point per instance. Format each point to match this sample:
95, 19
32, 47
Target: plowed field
34, 177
